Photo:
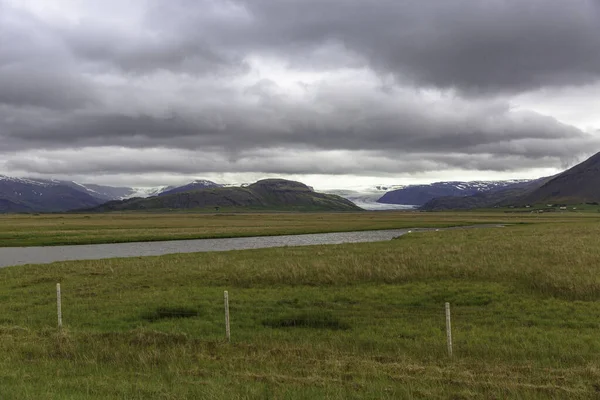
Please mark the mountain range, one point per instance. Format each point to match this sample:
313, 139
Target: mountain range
37, 195
51, 195
418, 195
576, 185
500, 197
29, 195
579, 184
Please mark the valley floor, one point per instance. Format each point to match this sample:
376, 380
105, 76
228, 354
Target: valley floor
67, 229
341, 321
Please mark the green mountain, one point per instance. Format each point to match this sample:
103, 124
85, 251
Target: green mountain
479, 200
579, 184
514, 195
276, 194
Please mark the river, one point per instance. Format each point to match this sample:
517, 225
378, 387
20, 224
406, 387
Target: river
12, 256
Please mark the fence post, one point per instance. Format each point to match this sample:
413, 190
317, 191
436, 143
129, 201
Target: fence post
448, 329
58, 305
227, 331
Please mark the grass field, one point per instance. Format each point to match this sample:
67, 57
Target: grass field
61, 229
343, 321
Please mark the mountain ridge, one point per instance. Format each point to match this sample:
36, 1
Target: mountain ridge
576, 185
418, 195
39, 195
196, 184
266, 193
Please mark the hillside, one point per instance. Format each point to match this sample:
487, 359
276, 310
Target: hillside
576, 185
512, 195
579, 184
479, 200
38, 195
417, 195
195, 185
52, 195
267, 194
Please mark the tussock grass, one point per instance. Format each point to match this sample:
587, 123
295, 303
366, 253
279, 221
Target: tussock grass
314, 319
344, 321
170, 312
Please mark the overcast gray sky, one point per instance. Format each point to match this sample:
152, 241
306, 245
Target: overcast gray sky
331, 92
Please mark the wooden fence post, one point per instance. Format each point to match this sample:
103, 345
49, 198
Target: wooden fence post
58, 305
448, 329
227, 331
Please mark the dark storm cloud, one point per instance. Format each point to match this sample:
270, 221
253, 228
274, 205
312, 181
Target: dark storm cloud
146, 53
473, 45
26, 86
405, 126
269, 161
187, 76
35, 68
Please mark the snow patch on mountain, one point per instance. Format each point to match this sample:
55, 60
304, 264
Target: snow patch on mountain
26, 181
421, 194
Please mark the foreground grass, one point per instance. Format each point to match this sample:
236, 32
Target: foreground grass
343, 321
63, 229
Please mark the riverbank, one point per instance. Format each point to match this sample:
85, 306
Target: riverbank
362, 320
11, 256
77, 229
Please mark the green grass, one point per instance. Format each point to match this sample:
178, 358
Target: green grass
64, 229
343, 321
577, 208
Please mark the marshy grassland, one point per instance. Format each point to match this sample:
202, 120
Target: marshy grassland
65, 229
363, 321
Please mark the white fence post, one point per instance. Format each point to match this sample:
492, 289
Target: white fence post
58, 305
448, 329
227, 331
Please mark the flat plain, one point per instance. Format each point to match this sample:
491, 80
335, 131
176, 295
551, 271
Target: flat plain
340, 321
66, 229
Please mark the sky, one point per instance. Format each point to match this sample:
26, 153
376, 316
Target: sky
334, 93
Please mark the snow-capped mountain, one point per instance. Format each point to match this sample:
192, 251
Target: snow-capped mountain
40, 195
43, 195
417, 195
52, 195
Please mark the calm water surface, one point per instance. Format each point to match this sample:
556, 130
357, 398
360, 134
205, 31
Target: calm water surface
10, 256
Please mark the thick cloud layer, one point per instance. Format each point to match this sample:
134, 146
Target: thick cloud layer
296, 86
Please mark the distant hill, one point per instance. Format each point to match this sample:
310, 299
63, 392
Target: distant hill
418, 195
195, 185
38, 195
267, 194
